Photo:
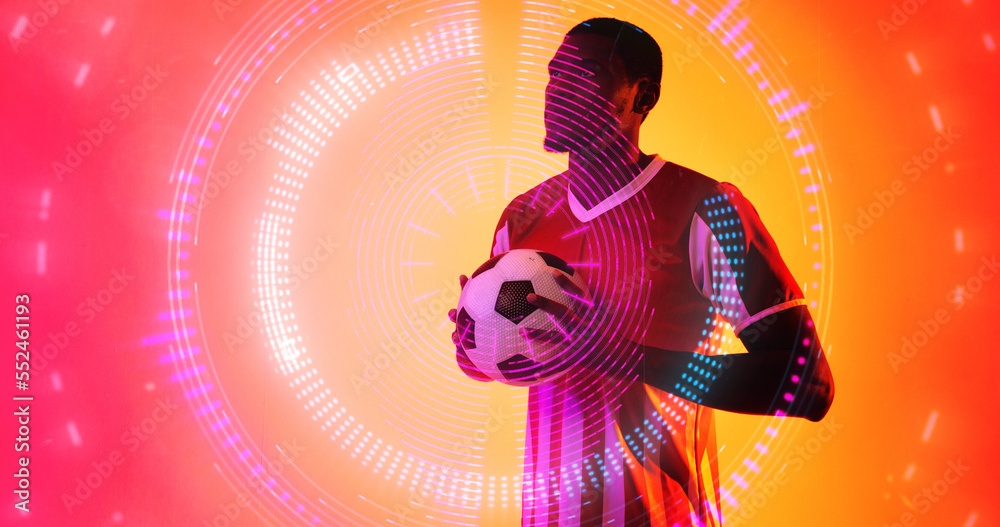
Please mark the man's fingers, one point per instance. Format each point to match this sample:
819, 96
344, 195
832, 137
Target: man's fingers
565, 319
580, 303
462, 279
543, 335
567, 284
548, 305
453, 315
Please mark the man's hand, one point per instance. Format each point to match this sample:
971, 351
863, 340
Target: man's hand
568, 319
584, 336
453, 314
461, 357
575, 338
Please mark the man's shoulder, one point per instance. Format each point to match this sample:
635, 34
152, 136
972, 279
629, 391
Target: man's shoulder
683, 186
544, 195
680, 176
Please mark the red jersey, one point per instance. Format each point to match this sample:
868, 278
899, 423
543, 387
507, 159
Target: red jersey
673, 258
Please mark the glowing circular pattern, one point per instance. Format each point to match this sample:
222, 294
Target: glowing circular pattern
465, 154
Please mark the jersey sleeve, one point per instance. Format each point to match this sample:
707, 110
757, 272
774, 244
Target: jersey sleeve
501, 235
735, 262
505, 226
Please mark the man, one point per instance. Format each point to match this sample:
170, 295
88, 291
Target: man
672, 258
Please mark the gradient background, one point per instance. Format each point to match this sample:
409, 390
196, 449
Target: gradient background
256, 416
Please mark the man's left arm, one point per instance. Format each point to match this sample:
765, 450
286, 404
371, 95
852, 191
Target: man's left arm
785, 371
737, 267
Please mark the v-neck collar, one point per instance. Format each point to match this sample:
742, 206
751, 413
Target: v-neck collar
619, 197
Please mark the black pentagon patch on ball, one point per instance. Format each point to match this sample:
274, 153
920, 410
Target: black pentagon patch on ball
512, 300
487, 265
519, 368
466, 327
554, 261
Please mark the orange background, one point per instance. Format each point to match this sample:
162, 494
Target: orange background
881, 97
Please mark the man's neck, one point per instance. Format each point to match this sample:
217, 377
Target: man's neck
594, 178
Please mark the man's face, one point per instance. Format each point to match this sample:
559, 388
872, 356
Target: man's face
588, 100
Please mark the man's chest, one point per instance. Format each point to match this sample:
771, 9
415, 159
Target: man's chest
633, 256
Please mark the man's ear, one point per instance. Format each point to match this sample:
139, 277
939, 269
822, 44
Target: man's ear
646, 97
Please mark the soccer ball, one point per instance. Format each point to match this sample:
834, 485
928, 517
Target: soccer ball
493, 310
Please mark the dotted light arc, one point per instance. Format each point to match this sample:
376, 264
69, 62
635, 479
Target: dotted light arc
455, 479
191, 179
187, 178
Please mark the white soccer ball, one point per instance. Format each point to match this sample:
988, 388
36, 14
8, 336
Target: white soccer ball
493, 310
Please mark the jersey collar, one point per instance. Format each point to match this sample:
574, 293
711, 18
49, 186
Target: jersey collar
619, 197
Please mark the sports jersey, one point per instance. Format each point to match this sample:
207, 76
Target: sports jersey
673, 258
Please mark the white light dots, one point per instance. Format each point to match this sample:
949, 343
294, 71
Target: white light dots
81, 75
929, 427
109, 24
74, 434
936, 118
19, 26
914, 65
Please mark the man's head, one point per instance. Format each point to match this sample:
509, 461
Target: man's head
603, 81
